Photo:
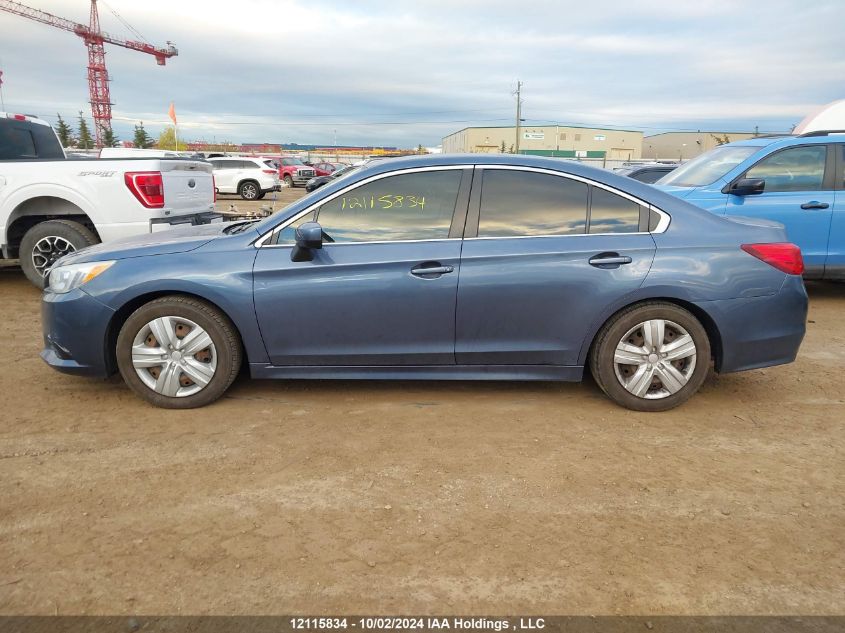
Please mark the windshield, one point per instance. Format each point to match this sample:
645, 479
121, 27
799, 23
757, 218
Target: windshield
709, 167
292, 161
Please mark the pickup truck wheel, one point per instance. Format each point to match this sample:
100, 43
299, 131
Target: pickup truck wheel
178, 352
288, 180
45, 243
249, 190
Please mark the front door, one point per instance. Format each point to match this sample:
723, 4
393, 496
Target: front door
381, 290
798, 195
551, 253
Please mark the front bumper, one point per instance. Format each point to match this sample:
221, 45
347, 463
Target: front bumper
75, 327
760, 331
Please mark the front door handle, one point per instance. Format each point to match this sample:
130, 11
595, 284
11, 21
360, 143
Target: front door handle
815, 204
431, 271
609, 259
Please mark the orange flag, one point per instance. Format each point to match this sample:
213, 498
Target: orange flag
172, 113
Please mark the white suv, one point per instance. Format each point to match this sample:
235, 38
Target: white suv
246, 176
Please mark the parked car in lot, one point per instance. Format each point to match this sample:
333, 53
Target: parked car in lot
646, 172
439, 267
51, 206
319, 181
250, 178
294, 172
326, 169
798, 181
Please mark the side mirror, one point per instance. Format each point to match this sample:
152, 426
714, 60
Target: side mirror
747, 187
309, 237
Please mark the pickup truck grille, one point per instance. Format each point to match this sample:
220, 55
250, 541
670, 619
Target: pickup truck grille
306, 173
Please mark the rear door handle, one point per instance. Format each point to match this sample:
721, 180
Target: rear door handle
609, 259
815, 204
428, 271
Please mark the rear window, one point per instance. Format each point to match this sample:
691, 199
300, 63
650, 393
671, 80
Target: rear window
709, 167
23, 140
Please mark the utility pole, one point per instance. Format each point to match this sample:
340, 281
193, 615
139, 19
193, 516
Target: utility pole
518, 114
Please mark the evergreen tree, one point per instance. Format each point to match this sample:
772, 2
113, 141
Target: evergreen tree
109, 139
142, 140
85, 141
64, 132
503, 149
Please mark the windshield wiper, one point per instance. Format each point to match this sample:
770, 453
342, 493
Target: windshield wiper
238, 227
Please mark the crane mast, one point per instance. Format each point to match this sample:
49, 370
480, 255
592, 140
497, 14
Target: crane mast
94, 39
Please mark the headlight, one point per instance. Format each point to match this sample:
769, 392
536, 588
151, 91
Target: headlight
66, 278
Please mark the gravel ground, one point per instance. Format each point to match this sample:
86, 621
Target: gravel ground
411, 497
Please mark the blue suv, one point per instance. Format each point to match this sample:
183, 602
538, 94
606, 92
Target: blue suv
798, 181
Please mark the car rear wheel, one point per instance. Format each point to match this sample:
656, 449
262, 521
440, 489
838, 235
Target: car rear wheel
45, 243
651, 357
249, 190
178, 352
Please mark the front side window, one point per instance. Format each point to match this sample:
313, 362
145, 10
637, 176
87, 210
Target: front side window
522, 203
611, 213
794, 169
416, 206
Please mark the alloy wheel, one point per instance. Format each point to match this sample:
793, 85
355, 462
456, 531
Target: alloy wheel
655, 359
48, 250
174, 356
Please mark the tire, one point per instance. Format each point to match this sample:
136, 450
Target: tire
288, 180
249, 190
166, 379
651, 382
45, 242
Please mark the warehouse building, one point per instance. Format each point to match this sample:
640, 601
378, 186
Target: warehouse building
685, 145
548, 140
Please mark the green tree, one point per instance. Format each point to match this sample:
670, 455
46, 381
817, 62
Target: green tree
142, 140
167, 139
721, 140
421, 149
503, 149
64, 132
84, 140
109, 139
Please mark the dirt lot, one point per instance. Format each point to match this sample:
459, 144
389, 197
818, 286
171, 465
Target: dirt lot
366, 497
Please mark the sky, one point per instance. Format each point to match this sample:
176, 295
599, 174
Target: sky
403, 73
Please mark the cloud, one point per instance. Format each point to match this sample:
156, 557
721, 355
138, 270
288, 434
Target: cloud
402, 72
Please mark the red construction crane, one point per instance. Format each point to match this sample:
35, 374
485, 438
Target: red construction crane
94, 38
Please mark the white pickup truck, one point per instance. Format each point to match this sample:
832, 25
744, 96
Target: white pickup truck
51, 205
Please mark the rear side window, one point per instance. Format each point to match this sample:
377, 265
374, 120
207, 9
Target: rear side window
793, 169
16, 142
414, 206
611, 213
520, 203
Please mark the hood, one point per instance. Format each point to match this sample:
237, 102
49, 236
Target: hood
678, 192
177, 240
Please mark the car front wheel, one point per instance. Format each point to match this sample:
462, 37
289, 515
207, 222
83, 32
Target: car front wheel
651, 357
178, 352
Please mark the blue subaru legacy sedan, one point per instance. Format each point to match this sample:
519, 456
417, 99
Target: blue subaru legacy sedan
492, 267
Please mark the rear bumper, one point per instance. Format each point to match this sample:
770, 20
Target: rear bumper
75, 326
760, 331
193, 219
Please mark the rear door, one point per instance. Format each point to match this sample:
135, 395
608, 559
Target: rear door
799, 193
381, 290
225, 170
544, 254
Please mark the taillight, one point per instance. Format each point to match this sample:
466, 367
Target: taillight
147, 186
272, 172
214, 187
782, 255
